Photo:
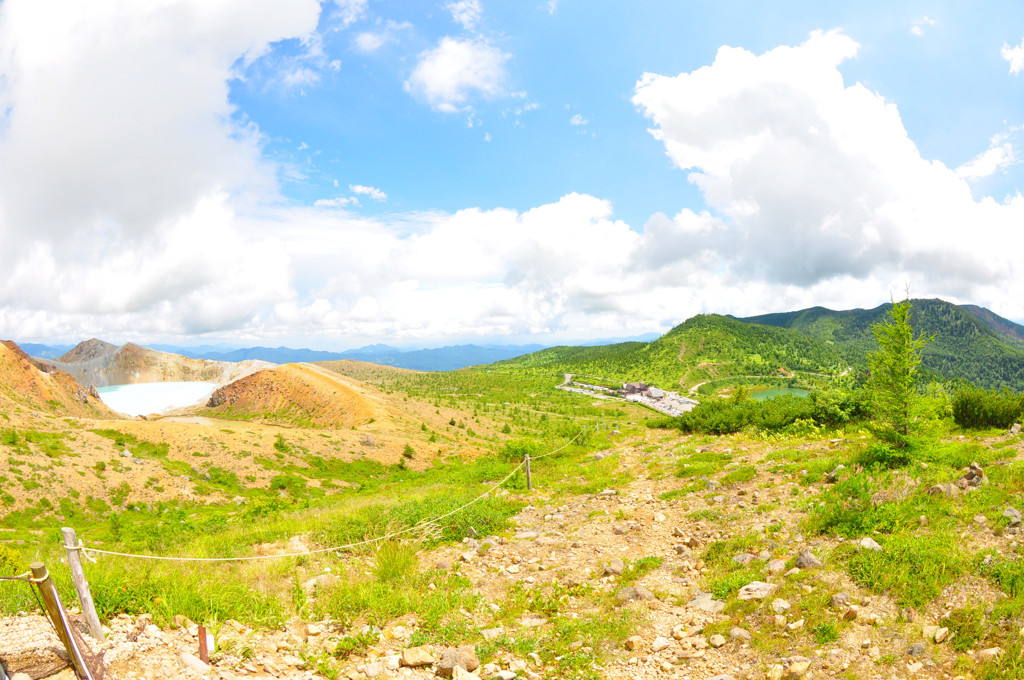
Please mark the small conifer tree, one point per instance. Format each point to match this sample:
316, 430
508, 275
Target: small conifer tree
894, 373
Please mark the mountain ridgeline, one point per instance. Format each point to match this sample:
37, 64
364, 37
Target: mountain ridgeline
970, 344
706, 347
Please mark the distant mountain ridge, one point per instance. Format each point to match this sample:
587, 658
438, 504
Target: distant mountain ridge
976, 346
439, 359
101, 364
971, 343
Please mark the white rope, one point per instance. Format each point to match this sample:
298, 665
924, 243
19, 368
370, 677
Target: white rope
368, 541
564, 446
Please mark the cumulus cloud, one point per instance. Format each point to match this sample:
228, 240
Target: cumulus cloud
810, 180
121, 110
448, 75
577, 120
998, 157
373, 192
132, 211
1015, 57
465, 13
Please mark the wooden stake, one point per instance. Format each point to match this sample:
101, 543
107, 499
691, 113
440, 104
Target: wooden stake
529, 479
81, 585
204, 653
55, 610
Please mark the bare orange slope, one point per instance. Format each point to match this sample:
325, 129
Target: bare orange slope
293, 394
22, 383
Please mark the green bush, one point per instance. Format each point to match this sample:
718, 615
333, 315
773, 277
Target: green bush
978, 408
10, 562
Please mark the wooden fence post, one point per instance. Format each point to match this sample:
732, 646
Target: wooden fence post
81, 585
55, 610
529, 479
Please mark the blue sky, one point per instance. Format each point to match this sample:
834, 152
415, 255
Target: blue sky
331, 174
362, 127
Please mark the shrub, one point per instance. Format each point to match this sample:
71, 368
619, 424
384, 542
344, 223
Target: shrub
10, 562
978, 408
724, 416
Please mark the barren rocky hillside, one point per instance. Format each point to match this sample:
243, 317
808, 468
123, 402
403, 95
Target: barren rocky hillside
721, 584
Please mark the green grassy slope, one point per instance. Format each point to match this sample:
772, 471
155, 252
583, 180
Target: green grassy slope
965, 346
705, 347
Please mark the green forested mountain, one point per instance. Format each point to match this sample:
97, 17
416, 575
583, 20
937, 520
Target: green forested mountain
705, 347
971, 343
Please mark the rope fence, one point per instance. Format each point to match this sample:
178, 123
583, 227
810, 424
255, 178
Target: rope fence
88, 552
88, 666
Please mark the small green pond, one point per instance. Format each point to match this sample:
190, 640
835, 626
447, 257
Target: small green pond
772, 392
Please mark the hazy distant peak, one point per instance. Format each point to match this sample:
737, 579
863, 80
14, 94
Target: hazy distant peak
86, 350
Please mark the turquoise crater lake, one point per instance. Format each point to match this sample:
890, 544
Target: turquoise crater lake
143, 398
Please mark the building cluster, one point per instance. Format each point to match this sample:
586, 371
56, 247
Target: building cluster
669, 403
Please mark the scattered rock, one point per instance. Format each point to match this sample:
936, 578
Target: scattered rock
947, 490
775, 566
756, 590
797, 667
833, 476
940, 635
739, 634
634, 643
917, 649
989, 654
614, 568
1013, 515
660, 643
706, 603
780, 606
462, 657
973, 478
744, 558
416, 656
807, 560
716, 641
633, 594
868, 543
194, 663
1014, 429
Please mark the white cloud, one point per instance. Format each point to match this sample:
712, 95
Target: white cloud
919, 25
373, 192
578, 120
811, 181
97, 114
446, 76
339, 202
465, 13
1015, 57
552, 6
350, 11
129, 211
371, 41
998, 157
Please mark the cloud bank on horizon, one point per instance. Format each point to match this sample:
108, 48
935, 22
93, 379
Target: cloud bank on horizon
149, 188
